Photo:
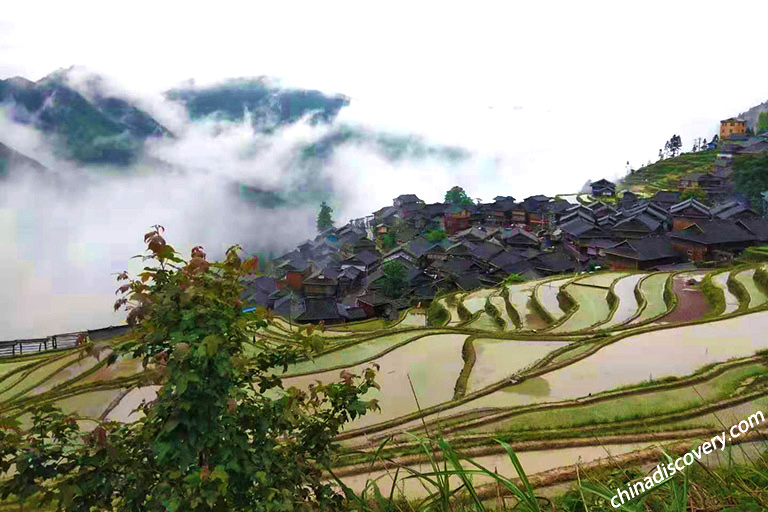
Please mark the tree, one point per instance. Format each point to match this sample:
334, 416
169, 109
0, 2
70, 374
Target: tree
661, 155
695, 145
394, 279
221, 435
324, 220
458, 197
762, 122
703, 145
436, 235
673, 145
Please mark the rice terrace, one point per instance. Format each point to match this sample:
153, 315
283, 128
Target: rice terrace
595, 368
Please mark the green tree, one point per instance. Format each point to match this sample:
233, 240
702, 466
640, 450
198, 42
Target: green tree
458, 197
221, 434
324, 220
394, 279
673, 146
762, 122
436, 235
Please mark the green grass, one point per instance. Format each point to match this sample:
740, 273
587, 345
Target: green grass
646, 405
657, 172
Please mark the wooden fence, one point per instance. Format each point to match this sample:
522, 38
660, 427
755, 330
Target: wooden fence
14, 348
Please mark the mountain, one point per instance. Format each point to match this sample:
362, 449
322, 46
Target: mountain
99, 130
750, 116
12, 161
268, 106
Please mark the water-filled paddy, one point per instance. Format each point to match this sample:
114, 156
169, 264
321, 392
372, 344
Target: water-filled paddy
547, 295
593, 307
652, 289
498, 359
633, 407
475, 301
691, 301
731, 301
635, 359
625, 291
604, 279
413, 320
124, 410
756, 295
455, 318
354, 354
501, 305
433, 364
520, 298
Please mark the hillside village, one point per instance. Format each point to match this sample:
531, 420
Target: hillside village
408, 253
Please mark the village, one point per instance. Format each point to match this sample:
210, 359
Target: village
406, 254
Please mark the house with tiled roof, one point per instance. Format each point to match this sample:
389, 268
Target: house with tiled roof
700, 241
643, 254
688, 212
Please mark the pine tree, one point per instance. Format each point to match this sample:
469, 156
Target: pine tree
324, 220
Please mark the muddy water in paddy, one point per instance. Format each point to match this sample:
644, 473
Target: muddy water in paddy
532, 461
433, 364
691, 302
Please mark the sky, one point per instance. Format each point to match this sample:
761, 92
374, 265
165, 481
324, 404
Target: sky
546, 95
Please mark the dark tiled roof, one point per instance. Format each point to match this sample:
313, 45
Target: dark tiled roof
367, 257
603, 182
714, 232
578, 227
730, 209
470, 281
457, 265
645, 249
689, 203
283, 306
486, 250
408, 198
506, 260
554, 262
509, 234
666, 196
646, 220
319, 309
759, 227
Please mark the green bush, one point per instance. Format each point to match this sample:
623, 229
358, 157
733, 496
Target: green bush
213, 438
738, 290
437, 315
761, 279
463, 312
714, 294
494, 313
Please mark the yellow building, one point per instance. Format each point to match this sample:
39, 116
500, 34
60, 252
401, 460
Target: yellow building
732, 126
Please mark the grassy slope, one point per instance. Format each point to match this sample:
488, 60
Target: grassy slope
657, 173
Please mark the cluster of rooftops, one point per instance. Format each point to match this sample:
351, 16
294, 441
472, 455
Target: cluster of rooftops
339, 275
